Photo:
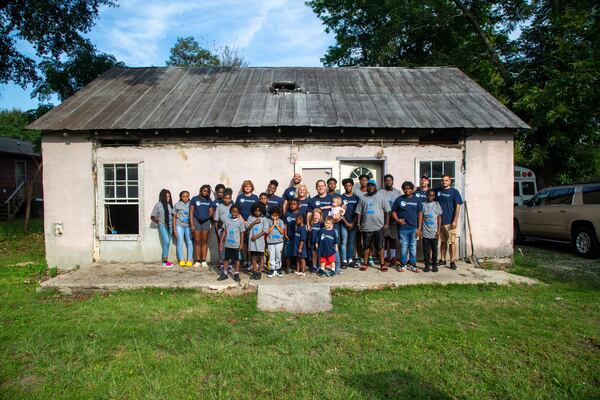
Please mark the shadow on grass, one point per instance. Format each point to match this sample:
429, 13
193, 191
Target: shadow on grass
395, 384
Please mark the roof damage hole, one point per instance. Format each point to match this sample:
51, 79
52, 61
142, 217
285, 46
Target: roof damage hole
285, 87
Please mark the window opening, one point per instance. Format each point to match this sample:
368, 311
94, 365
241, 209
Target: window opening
121, 199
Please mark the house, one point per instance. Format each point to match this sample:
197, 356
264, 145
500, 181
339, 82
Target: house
109, 149
18, 165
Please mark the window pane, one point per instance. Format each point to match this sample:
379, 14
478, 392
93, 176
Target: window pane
528, 188
562, 196
109, 191
132, 172
449, 168
541, 199
120, 172
425, 167
436, 183
121, 192
591, 195
132, 191
121, 219
436, 169
516, 189
109, 173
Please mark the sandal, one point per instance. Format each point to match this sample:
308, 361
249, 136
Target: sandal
384, 268
363, 267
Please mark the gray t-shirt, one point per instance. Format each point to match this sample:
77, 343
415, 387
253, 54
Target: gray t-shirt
222, 212
275, 236
182, 210
233, 229
390, 196
262, 226
158, 212
431, 210
372, 210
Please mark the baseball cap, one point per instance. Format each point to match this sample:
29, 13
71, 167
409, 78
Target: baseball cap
372, 182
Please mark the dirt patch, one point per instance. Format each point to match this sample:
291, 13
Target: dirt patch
27, 383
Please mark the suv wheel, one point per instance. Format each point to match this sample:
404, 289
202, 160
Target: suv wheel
585, 242
518, 237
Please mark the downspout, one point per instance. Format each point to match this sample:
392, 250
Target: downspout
463, 171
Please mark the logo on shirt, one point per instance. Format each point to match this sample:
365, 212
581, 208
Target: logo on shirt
197, 203
324, 236
231, 237
370, 207
318, 203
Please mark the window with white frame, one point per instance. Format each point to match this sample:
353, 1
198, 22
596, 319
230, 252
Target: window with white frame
434, 170
121, 199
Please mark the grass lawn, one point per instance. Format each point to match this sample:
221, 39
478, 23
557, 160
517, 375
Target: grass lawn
430, 342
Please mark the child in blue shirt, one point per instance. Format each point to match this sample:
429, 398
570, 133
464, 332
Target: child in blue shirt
290, 224
275, 239
327, 248
300, 245
315, 233
232, 238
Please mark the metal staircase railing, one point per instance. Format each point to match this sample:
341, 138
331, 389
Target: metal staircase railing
14, 201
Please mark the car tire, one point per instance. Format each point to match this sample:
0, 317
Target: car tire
518, 237
585, 242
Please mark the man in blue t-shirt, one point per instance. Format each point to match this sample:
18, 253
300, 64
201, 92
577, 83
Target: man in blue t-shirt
348, 225
450, 200
405, 212
421, 192
290, 192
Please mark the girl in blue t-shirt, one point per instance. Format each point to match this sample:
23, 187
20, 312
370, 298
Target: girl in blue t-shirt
290, 224
201, 210
300, 245
315, 231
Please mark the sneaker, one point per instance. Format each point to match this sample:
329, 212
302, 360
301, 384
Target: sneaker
344, 265
301, 274
236, 277
204, 264
441, 262
167, 264
352, 264
414, 268
272, 274
452, 266
258, 276
434, 268
182, 263
222, 277
371, 263
197, 264
253, 276
402, 268
187, 264
426, 269
280, 272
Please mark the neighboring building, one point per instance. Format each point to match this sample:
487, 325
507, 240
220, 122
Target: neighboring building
18, 165
109, 149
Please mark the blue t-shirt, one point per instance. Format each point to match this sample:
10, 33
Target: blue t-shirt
290, 223
216, 202
289, 193
407, 208
245, 204
202, 205
275, 200
320, 202
301, 235
315, 233
351, 202
420, 195
448, 199
304, 206
327, 242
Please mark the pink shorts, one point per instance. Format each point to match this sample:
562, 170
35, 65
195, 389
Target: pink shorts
327, 260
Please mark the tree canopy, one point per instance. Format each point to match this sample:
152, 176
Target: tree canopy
53, 27
548, 74
187, 52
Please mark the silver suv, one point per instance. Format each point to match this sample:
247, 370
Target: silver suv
565, 213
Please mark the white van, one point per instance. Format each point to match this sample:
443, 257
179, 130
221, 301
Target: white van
525, 186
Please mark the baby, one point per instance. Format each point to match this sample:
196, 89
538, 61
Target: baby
337, 209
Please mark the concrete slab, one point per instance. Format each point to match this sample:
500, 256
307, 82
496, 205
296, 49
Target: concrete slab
107, 277
296, 298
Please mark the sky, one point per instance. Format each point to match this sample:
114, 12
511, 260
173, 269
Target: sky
141, 32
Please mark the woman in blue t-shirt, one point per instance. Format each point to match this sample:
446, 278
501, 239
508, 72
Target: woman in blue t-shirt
201, 210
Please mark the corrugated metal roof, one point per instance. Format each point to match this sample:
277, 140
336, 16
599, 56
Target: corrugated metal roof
187, 98
16, 146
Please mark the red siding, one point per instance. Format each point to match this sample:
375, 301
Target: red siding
7, 174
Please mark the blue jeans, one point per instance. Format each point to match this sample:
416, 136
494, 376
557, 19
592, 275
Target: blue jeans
348, 240
165, 239
337, 253
408, 245
184, 233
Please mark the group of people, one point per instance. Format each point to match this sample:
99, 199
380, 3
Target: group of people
316, 234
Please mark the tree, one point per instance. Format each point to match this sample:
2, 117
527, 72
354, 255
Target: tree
66, 78
54, 28
473, 35
187, 52
557, 90
13, 123
231, 56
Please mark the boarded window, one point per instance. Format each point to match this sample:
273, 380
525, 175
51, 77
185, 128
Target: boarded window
121, 199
